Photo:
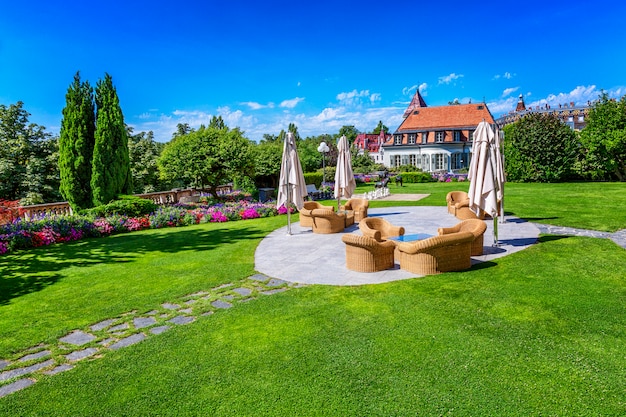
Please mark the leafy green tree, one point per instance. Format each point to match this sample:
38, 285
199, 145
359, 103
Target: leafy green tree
539, 148
76, 144
351, 133
111, 174
42, 178
181, 130
143, 153
267, 157
380, 127
217, 122
604, 139
24, 152
207, 157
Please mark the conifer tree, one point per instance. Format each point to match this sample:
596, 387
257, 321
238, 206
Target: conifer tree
76, 144
111, 174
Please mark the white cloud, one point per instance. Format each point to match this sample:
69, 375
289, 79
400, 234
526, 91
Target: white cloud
258, 106
579, 95
507, 75
447, 79
356, 98
290, 104
375, 97
508, 91
408, 91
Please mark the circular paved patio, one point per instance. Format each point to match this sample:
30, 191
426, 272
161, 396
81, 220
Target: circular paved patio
308, 258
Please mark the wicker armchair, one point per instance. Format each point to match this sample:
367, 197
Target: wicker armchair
359, 206
327, 221
476, 227
379, 229
437, 254
305, 212
364, 254
455, 197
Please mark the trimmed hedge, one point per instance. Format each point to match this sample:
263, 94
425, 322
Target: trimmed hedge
126, 206
416, 177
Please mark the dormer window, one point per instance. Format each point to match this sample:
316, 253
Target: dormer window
424, 137
398, 140
439, 136
411, 138
457, 135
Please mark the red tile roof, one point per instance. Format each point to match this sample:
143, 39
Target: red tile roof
446, 117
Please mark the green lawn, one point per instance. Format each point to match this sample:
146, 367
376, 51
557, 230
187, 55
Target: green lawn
539, 332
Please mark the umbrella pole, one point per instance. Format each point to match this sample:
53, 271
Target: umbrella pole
495, 231
288, 186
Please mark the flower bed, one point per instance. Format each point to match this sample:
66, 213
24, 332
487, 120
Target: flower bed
47, 230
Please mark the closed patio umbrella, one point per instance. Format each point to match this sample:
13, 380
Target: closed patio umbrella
291, 186
485, 190
344, 177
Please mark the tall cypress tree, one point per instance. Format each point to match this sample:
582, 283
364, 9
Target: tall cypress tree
76, 144
111, 166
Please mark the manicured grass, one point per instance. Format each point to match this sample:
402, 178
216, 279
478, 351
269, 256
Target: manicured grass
46, 292
540, 332
593, 206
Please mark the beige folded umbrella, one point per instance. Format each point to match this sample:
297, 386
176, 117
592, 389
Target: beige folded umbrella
344, 177
291, 186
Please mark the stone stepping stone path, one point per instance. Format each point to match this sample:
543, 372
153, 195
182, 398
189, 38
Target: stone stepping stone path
94, 341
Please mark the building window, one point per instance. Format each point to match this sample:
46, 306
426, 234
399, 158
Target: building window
424, 137
398, 140
570, 119
581, 119
413, 160
457, 161
411, 138
470, 135
426, 163
441, 162
439, 137
457, 135
395, 161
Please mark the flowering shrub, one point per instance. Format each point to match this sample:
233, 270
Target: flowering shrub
366, 178
49, 229
448, 177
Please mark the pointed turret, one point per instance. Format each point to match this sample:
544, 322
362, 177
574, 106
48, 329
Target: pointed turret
416, 103
520, 104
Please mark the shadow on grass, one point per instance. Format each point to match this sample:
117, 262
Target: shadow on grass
33, 270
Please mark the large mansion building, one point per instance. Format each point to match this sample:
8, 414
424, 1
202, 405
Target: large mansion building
434, 138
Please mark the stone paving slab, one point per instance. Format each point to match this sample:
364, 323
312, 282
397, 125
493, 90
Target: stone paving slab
141, 322
119, 327
4, 364
81, 354
182, 320
127, 341
78, 338
15, 386
159, 329
59, 369
16, 373
243, 291
33, 356
221, 304
102, 325
170, 306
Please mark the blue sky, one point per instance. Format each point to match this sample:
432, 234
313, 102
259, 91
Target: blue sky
320, 65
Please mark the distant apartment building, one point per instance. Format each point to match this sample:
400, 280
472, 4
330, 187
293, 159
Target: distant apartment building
434, 139
572, 114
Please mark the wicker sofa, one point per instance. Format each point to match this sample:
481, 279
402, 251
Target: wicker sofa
327, 221
365, 254
463, 211
379, 229
476, 227
359, 206
305, 212
437, 254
